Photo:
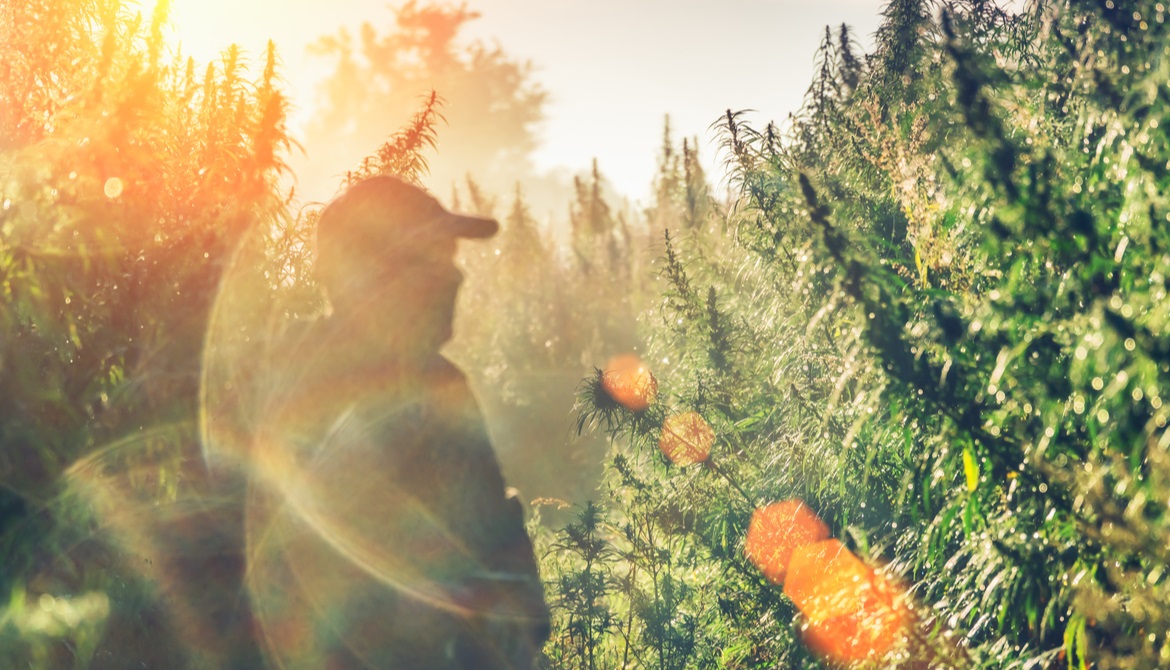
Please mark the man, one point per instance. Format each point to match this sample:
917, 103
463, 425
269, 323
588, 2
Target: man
379, 532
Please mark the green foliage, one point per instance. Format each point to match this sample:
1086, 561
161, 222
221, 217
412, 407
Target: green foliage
581, 591
128, 181
533, 317
941, 328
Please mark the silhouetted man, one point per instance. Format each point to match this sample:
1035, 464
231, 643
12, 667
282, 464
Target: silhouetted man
379, 532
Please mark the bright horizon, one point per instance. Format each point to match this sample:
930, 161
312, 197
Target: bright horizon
613, 69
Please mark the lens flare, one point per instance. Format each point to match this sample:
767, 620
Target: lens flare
776, 531
113, 188
853, 613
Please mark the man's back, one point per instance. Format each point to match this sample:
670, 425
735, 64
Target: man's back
379, 534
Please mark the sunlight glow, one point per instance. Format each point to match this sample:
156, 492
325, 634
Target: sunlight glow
203, 30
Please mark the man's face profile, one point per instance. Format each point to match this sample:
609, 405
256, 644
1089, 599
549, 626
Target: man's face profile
386, 255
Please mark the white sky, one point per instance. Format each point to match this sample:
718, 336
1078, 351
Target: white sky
613, 68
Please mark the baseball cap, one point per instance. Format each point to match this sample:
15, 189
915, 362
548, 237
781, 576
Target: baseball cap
385, 215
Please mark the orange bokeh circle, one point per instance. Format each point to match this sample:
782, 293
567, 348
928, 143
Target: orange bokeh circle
629, 382
686, 438
775, 531
853, 613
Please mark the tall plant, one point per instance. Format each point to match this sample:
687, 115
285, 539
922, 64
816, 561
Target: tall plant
940, 330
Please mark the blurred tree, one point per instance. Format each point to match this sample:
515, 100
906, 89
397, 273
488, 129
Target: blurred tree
492, 105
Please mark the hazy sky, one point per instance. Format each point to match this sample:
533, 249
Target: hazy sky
613, 68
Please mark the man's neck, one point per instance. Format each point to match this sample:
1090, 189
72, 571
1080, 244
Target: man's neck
358, 339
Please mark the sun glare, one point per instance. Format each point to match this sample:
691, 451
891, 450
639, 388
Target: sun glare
202, 30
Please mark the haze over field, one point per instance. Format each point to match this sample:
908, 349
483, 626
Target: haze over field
612, 69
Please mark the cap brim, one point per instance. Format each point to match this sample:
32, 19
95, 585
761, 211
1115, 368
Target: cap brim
463, 225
